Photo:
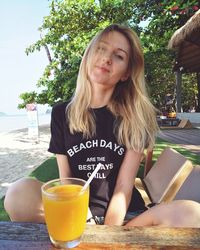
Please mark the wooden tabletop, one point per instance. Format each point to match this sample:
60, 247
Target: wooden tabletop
32, 236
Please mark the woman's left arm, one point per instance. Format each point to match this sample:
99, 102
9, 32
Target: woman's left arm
120, 200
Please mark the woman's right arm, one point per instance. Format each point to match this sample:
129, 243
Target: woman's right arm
63, 166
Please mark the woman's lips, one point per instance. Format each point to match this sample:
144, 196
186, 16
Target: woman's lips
102, 68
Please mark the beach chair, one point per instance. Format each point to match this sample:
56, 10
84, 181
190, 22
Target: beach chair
185, 123
162, 181
190, 190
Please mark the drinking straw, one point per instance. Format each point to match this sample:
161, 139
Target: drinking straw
91, 177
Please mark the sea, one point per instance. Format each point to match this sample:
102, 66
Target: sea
14, 122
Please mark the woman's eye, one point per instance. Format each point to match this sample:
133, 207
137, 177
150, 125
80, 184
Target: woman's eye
100, 48
119, 56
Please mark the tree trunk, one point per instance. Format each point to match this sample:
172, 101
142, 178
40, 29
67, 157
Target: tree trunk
47, 50
178, 91
48, 53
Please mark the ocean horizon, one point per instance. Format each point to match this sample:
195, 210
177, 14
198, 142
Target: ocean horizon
20, 121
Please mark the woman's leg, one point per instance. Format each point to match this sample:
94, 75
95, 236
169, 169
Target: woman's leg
23, 201
178, 213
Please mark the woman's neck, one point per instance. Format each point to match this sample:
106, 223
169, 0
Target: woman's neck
100, 97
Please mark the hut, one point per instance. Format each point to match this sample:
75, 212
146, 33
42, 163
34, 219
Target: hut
186, 43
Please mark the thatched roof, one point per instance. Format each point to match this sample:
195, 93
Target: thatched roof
185, 31
186, 42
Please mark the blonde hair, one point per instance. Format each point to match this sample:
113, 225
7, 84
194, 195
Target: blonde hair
135, 125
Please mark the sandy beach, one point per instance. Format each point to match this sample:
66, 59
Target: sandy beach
20, 155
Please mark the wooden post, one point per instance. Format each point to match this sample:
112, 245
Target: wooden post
178, 90
198, 93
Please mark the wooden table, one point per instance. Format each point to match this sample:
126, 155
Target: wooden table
32, 236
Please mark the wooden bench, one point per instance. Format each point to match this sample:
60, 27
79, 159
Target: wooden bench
33, 236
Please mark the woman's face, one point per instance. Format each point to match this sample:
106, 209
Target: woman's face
109, 62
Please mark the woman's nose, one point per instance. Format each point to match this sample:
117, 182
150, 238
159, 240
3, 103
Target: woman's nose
107, 58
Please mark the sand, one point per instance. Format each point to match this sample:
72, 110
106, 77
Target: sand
20, 155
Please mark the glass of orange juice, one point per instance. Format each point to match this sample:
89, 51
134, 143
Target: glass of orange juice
65, 208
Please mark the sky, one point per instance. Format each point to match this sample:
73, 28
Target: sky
20, 20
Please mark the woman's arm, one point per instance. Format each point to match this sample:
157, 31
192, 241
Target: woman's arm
63, 166
123, 190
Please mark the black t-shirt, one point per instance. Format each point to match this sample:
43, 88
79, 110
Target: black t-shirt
84, 154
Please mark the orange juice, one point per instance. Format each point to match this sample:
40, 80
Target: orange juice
65, 210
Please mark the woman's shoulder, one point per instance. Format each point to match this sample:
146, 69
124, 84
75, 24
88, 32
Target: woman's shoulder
60, 107
59, 110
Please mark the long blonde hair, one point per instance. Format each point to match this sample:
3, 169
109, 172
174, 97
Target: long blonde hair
135, 125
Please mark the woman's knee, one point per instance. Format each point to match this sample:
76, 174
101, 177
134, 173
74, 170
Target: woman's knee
23, 201
177, 213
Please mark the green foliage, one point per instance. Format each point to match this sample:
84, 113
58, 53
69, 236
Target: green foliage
3, 215
189, 91
68, 29
165, 14
164, 18
28, 98
159, 76
71, 24
47, 171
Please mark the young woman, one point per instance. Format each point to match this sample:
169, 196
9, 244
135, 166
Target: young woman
108, 120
